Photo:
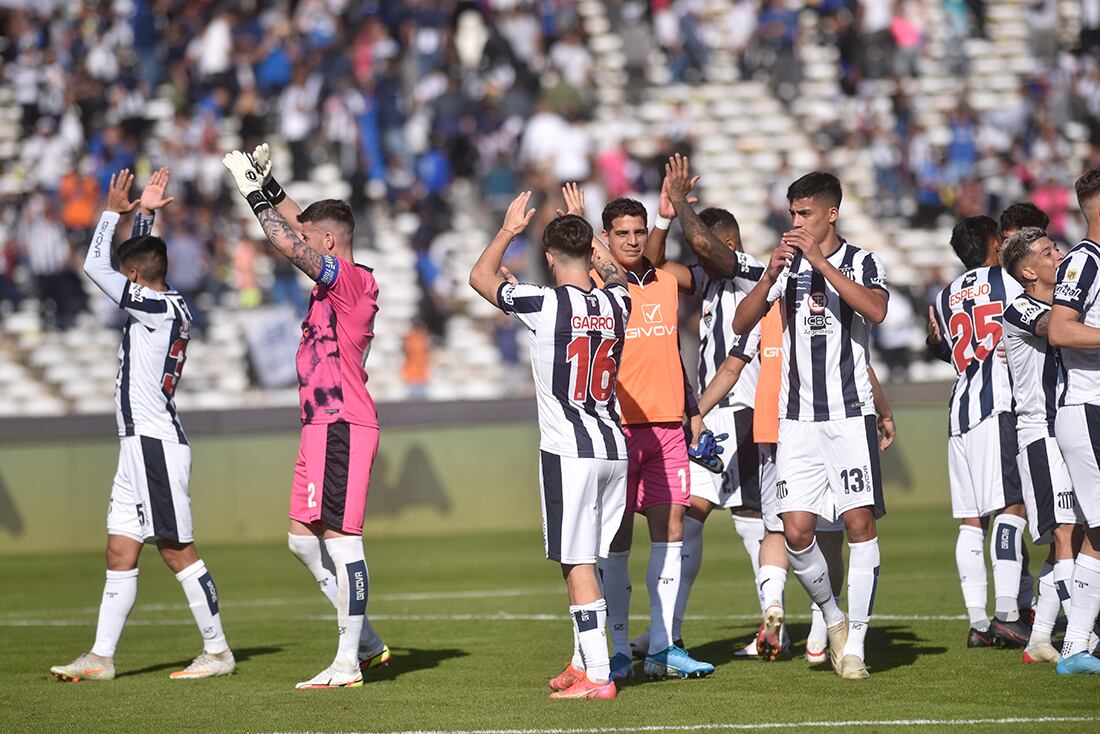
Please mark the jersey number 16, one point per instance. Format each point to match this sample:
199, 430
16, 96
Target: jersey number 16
595, 372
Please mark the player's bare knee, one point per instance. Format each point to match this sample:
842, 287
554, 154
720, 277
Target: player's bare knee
177, 556
860, 524
122, 553
1017, 510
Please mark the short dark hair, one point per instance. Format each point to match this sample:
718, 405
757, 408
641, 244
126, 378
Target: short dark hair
721, 220
622, 207
1018, 247
815, 185
569, 235
329, 210
1087, 186
1023, 214
148, 254
970, 240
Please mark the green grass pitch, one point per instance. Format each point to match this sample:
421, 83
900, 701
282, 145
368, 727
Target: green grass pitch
478, 624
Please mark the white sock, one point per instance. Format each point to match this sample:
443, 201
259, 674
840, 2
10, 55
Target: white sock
863, 565
813, 573
202, 596
351, 594
310, 550
590, 628
615, 577
819, 634
751, 532
1084, 604
772, 582
970, 559
1046, 611
119, 593
691, 558
663, 583
1025, 599
578, 657
1005, 540
1063, 582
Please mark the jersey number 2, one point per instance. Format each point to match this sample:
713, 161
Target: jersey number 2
178, 353
595, 372
985, 325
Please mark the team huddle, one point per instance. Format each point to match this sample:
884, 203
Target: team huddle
1025, 428
784, 433
622, 432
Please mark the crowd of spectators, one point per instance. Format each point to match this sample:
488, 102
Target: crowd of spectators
408, 99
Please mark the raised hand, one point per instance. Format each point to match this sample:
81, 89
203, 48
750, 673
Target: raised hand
678, 179
518, 215
118, 193
574, 199
261, 161
780, 259
152, 196
244, 175
803, 241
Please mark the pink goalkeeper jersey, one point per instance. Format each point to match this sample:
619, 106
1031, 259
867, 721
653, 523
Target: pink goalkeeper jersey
336, 337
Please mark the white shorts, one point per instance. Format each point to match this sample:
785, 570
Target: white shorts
738, 486
829, 467
1078, 430
982, 464
1048, 491
769, 506
583, 502
149, 499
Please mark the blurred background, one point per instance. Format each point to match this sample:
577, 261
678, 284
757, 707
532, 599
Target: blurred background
428, 115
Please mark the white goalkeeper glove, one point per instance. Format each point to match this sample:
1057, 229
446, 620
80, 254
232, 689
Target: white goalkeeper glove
247, 180
261, 161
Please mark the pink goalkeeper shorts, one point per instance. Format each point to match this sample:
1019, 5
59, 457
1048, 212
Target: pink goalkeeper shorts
332, 475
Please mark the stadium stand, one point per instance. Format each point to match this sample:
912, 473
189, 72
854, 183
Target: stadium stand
426, 116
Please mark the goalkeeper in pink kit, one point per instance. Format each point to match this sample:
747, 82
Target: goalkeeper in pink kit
339, 419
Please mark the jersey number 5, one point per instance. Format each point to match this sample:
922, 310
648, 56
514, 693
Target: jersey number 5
177, 354
595, 372
984, 326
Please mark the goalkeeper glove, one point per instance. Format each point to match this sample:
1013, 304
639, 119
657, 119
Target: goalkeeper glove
247, 180
706, 451
261, 161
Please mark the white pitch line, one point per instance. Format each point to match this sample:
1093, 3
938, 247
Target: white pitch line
490, 617
763, 726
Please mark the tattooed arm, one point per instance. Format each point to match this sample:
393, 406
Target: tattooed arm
287, 241
609, 270
718, 260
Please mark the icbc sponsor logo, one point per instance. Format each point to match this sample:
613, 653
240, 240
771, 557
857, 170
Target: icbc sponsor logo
817, 302
968, 294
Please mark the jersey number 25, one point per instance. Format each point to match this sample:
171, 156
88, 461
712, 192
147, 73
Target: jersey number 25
984, 326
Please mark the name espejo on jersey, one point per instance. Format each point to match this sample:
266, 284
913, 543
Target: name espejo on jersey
576, 345
970, 314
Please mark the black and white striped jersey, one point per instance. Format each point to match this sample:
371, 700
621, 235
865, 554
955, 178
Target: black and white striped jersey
153, 348
1077, 288
1034, 369
576, 347
970, 312
825, 342
717, 339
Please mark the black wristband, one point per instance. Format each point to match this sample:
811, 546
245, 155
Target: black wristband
258, 202
273, 191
